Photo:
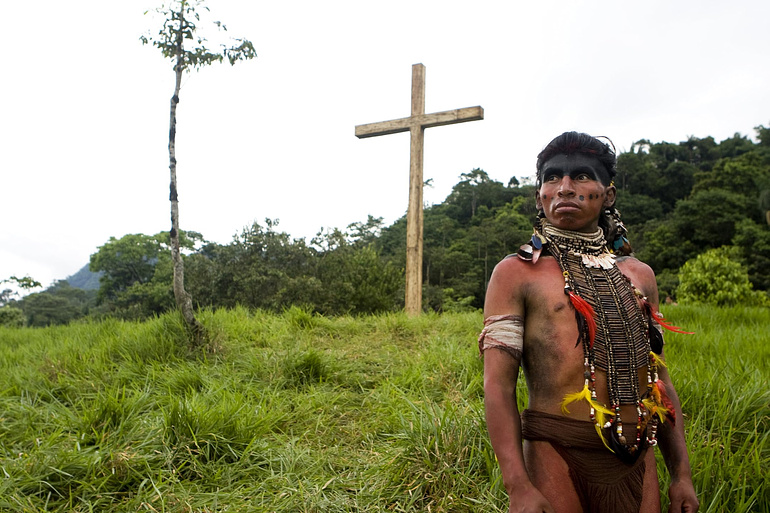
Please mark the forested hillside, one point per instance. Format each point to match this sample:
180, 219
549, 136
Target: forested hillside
697, 201
84, 279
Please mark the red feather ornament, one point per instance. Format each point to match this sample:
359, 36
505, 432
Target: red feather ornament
655, 314
587, 312
665, 400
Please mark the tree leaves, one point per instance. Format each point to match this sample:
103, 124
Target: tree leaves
716, 277
181, 23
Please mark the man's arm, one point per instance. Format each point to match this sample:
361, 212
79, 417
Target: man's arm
681, 492
501, 371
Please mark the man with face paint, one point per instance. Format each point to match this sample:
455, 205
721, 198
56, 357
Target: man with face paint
579, 314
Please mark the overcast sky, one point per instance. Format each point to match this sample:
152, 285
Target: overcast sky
84, 107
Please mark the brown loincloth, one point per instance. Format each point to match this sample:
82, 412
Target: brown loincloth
603, 482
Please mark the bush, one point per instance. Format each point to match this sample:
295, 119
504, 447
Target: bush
12, 317
716, 277
455, 303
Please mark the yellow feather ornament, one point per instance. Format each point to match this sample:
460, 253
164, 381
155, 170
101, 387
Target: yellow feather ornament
600, 411
600, 420
657, 359
584, 395
656, 409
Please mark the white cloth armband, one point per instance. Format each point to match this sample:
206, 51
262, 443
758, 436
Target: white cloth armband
504, 332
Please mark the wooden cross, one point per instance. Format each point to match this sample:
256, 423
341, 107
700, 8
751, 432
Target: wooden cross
416, 125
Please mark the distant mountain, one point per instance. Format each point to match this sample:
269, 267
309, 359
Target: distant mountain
85, 279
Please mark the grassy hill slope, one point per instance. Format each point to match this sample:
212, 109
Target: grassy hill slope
299, 413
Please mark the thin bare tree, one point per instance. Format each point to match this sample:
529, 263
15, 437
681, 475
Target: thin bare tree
179, 27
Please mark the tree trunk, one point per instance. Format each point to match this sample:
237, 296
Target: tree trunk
182, 297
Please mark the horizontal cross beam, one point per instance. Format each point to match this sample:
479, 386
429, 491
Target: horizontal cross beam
394, 126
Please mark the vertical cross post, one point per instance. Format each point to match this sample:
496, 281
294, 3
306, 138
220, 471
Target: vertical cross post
414, 224
416, 124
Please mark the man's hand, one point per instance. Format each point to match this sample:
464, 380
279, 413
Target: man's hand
682, 496
527, 499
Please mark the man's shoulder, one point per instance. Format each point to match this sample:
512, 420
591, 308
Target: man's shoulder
513, 267
640, 274
633, 264
516, 282
520, 277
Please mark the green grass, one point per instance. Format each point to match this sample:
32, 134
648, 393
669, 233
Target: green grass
723, 379
300, 413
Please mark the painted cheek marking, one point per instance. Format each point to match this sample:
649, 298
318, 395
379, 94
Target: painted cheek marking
581, 198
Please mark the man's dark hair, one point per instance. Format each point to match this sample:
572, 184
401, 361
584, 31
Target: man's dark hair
569, 143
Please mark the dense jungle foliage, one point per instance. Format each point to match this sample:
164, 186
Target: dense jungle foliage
679, 201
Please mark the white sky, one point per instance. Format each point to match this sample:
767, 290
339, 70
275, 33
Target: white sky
84, 107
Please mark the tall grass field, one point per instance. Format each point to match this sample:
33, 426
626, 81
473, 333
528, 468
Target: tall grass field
300, 413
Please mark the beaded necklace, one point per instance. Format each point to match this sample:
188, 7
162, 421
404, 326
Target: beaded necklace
615, 334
